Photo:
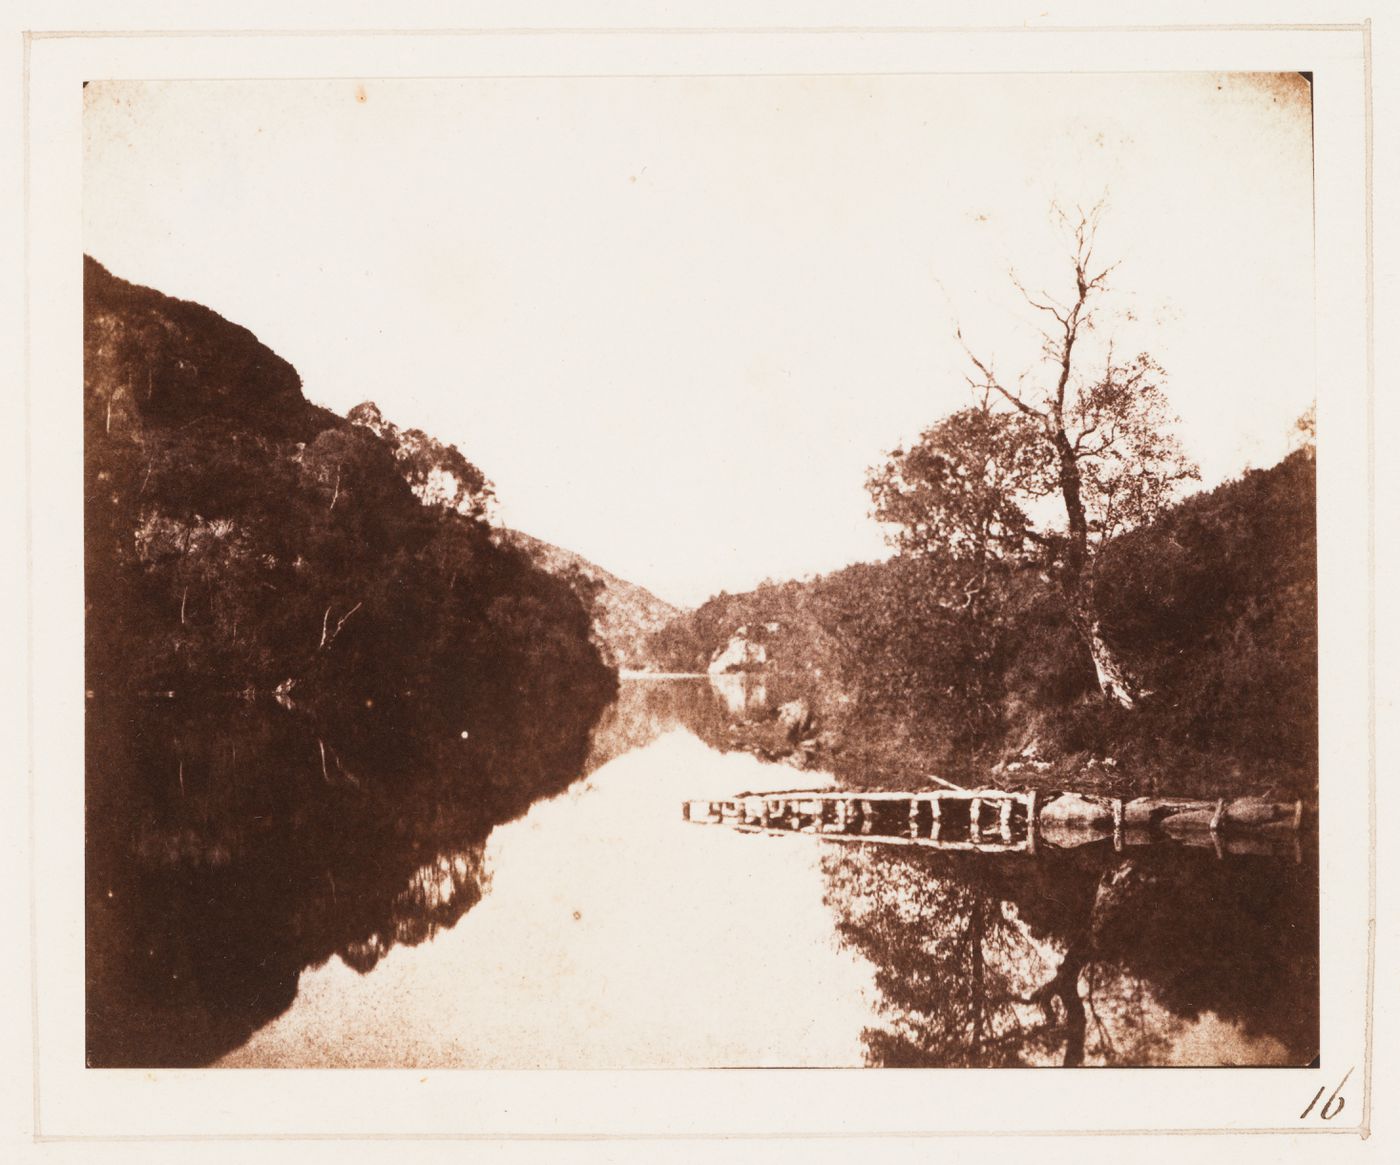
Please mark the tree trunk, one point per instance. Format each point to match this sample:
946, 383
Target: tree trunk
1115, 682
1076, 1022
1071, 489
979, 991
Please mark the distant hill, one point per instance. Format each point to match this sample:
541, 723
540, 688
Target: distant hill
625, 615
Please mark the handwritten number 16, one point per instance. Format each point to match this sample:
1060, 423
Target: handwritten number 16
1333, 1104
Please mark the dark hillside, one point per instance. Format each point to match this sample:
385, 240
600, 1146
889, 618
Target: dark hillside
1213, 605
625, 615
151, 360
1217, 601
240, 538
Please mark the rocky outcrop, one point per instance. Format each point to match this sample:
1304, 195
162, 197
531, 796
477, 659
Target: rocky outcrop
796, 720
739, 654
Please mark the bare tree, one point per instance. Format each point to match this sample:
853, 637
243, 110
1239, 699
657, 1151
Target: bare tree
1104, 436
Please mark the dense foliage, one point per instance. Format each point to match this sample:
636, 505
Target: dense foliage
1213, 605
240, 538
1048, 604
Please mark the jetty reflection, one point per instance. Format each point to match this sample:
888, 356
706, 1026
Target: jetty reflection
999, 821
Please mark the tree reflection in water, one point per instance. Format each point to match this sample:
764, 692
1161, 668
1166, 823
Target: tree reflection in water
232, 845
1082, 957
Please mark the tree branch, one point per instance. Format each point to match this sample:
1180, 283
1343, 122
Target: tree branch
325, 642
327, 635
1079, 440
1056, 310
990, 381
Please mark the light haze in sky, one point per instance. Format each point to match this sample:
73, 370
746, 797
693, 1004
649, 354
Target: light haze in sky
675, 319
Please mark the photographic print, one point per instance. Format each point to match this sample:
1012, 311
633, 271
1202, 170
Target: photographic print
701, 572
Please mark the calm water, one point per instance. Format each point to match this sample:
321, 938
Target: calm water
264, 890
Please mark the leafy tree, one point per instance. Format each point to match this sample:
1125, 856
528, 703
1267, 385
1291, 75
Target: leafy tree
242, 539
958, 495
440, 475
1097, 441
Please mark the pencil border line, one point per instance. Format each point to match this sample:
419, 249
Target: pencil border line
1363, 1129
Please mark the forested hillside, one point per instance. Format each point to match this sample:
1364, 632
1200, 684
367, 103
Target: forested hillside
242, 539
625, 615
1212, 606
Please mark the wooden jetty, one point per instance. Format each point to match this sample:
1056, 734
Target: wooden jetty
1001, 821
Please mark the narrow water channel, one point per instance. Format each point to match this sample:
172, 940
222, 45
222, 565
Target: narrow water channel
598, 929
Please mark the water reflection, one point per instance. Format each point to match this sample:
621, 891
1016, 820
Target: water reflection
743, 693
614, 935
232, 845
1083, 957
264, 889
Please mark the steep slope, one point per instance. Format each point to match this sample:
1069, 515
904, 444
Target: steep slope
625, 615
240, 538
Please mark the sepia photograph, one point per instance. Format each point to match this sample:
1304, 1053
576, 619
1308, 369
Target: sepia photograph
701, 572
642, 585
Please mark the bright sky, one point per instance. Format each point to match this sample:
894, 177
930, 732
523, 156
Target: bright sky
676, 319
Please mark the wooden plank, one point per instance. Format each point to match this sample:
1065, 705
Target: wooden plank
928, 842
972, 795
